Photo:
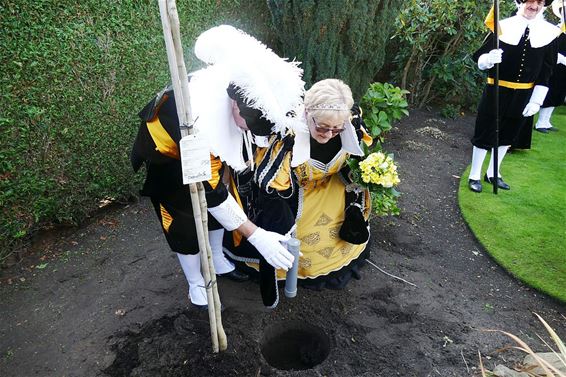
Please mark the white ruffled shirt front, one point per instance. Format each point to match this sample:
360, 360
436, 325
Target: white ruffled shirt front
541, 31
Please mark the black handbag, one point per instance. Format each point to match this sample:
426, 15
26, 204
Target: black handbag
354, 229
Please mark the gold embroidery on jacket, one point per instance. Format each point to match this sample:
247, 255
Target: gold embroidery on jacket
326, 252
324, 219
311, 239
333, 233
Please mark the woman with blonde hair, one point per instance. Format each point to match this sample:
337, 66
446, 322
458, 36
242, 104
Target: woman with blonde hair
303, 177
331, 213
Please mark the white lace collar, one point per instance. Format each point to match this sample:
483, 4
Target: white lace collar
541, 32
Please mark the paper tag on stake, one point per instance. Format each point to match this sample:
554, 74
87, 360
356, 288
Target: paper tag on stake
195, 159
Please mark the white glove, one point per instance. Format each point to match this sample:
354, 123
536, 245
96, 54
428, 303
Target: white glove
531, 109
269, 245
537, 98
561, 59
487, 61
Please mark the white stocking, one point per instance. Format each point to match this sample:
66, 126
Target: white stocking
550, 110
544, 117
478, 155
500, 154
221, 264
191, 268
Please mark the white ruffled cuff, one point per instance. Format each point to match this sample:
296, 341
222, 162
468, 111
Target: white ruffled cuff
229, 214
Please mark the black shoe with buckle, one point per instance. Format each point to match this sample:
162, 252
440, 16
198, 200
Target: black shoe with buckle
235, 275
474, 185
542, 130
502, 185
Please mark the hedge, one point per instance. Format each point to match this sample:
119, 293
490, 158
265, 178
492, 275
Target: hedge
73, 77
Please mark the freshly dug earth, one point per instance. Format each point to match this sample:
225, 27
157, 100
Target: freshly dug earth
110, 299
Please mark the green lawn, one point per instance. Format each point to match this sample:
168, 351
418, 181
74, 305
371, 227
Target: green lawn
524, 229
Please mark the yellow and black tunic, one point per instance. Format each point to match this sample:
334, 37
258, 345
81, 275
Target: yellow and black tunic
313, 195
322, 203
156, 146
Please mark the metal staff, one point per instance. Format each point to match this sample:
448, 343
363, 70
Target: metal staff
496, 93
172, 36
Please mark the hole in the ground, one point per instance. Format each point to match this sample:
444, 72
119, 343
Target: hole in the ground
294, 345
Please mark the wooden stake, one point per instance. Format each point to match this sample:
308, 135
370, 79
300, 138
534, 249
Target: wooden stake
172, 36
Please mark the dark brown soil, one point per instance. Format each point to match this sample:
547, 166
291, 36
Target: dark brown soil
111, 300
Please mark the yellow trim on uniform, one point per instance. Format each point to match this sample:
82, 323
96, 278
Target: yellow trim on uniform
215, 166
166, 218
164, 144
366, 138
236, 236
512, 85
282, 180
259, 155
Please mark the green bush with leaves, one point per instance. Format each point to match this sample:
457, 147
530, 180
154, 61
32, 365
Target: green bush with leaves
434, 41
342, 39
383, 104
73, 77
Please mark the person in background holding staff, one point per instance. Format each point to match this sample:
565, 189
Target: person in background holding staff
557, 91
525, 57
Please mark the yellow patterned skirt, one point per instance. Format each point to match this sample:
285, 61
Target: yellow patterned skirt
321, 215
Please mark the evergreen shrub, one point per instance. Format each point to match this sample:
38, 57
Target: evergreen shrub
342, 39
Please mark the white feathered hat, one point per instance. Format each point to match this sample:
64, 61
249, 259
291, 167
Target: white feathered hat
270, 84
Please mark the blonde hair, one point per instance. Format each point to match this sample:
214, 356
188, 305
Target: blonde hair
329, 98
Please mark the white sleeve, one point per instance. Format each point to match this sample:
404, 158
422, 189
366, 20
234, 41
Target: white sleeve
229, 214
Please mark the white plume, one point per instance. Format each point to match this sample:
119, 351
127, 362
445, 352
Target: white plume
269, 83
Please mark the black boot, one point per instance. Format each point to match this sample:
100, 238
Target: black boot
500, 183
475, 185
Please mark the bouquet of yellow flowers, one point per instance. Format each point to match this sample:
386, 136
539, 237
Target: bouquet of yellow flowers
378, 173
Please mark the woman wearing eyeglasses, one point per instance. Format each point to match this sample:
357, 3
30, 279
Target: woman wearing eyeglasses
331, 221
307, 171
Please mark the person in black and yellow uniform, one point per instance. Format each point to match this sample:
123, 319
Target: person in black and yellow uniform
557, 91
332, 215
225, 124
157, 146
526, 57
